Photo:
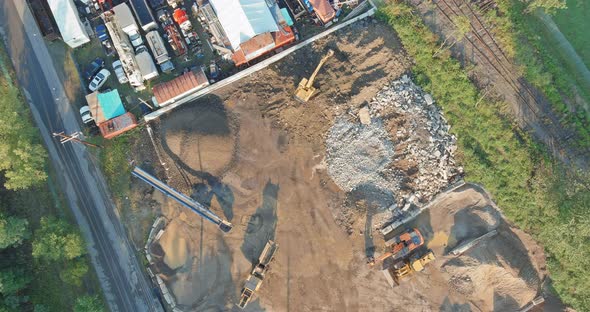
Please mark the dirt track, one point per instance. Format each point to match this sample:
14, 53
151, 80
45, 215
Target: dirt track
260, 164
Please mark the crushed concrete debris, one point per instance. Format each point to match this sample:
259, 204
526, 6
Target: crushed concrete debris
406, 149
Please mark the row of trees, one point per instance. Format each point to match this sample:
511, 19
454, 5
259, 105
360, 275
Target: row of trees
538, 195
43, 260
22, 157
55, 243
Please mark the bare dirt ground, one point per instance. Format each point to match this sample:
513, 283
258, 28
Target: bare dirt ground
257, 158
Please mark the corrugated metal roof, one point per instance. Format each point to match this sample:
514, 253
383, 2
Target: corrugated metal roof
117, 125
323, 10
66, 17
243, 19
164, 92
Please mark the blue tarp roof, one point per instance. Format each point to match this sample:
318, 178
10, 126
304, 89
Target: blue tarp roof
286, 16
111, 104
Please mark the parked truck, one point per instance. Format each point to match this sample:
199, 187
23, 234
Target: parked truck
144, 15
127, 23
255, 279
159, 51
68, 22
146, 63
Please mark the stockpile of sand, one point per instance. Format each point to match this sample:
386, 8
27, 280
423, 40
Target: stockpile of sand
488, 284
201, 141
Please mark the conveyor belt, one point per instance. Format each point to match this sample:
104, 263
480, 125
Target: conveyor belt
186, 201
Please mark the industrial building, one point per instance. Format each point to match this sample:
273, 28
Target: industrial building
247, 30
68, 22
167, 92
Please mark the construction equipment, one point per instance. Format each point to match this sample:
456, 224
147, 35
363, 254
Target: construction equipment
402, 245
407, 267
184, 200
305, 90
255, 279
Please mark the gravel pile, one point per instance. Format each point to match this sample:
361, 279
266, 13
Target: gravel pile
406, 147
359, 155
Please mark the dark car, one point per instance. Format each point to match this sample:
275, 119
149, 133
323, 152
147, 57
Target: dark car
156, 4
93, 68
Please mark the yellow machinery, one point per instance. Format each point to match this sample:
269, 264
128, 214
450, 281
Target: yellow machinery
407, 267
255, 279
305, 90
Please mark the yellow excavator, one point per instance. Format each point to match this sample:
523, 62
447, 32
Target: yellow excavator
406, 267
305, 90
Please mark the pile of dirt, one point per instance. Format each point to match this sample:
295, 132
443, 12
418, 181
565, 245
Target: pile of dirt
493, 284
204, 140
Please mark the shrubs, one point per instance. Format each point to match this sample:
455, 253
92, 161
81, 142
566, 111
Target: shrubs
542, 198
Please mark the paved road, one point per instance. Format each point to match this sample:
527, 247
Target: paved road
125, 286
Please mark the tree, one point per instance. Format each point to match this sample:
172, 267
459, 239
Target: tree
88, 304
57, 240
13, 280
74, 272
547, 5
22, 158
13, 231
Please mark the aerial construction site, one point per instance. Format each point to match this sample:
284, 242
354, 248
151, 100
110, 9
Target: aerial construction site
342, 193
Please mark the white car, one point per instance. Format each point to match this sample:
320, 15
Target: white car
119, 72
135, 38
99, 79
85, 114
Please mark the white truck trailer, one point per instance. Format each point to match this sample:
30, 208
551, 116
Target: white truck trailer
125, 50
146, 64
66, 17
127, 23
159, 51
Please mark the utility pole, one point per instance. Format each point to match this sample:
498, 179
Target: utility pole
73, 137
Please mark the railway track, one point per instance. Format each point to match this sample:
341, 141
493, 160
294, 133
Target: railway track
484, 44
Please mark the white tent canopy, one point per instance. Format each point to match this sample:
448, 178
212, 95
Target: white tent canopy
244, 19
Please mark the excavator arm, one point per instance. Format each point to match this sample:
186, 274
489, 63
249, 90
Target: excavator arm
317, 69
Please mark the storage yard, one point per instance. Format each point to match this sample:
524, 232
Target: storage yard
332, 181
139, 45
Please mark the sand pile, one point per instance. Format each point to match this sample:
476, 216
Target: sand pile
201, 141
489, 284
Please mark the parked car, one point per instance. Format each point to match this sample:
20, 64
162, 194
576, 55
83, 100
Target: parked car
85, 114
135, 38
119, 72
99, 79
93, 68
140, 49
102, 34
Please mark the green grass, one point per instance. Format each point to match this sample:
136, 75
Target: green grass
574, 23
548, 201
